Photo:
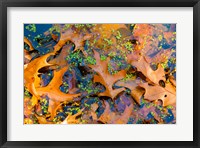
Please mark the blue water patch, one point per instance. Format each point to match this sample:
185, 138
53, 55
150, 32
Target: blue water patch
40, 29
170, 117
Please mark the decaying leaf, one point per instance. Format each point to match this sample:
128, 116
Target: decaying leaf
143, 66
136, 91
71, 35
62, 86
61, 58
72, 119
43, 120
111, 117
105, 78
28, 43
167, 94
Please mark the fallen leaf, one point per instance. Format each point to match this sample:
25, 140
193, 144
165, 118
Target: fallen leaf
105, 78
153, 93
143, 66
31, 72
72, 119
71, 35
61, 58
112, 118
136, 91
52, 90
28, 43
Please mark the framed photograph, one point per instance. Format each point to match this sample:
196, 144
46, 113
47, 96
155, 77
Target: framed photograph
99, 73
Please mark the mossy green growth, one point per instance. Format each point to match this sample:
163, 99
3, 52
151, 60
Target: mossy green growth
129, 76
74, 57
109, 42
91, 60
165, 64
66, 26
55, 28
74, 109
79, 25
31, 27
129, 46
160, 37
44, 105
112, 54
152, 113
173, 60
87, 87
90, 25
111, 70
118, 36
169, 107
27, 93
103, 58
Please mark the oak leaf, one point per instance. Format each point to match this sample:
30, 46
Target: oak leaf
31, 72
112, 118
53, 107
143, 66
43, 120
28, 43
156, 92
136, 91
78, 38
61, 58
105, 78
52, 90
72, 119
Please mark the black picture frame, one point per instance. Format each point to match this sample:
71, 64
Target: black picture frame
4, 4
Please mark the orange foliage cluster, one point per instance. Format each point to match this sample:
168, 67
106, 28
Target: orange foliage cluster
139, 45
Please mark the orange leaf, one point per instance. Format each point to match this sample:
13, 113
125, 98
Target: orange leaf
53, 107
31, 72
52, 90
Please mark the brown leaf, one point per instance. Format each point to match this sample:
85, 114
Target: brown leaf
123, 119
111, 117
61, 58
72, 119
105, 78
75, 37
153, 93
107, 115
28, 43
27, 56
143, 66
136, 91
160, 57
